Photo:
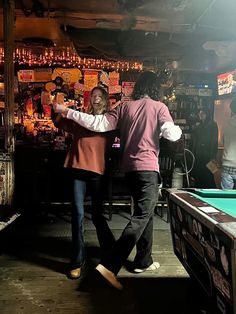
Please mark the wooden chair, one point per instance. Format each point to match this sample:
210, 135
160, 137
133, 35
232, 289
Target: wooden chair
118, 191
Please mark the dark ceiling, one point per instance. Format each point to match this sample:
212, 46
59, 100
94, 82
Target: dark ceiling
189, 35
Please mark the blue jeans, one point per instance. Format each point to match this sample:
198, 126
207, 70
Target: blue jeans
227, 180
94, 181
139, 231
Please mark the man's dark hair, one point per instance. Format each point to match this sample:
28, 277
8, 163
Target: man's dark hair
147, 83
233, 106
208, 112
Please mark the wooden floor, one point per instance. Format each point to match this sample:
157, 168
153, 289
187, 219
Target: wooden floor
34, 258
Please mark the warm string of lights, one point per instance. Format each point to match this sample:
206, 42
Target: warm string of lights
67, 58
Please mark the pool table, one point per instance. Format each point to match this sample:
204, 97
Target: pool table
203, 229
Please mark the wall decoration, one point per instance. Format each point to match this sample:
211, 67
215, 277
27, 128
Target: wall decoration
68, 75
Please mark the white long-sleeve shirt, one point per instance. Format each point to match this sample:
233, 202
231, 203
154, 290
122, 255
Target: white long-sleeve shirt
229, 141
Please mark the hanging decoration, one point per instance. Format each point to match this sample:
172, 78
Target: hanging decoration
68, 75
67, 57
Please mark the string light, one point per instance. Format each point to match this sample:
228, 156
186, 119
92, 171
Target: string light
67, 57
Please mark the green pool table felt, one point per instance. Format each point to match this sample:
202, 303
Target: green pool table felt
220, 199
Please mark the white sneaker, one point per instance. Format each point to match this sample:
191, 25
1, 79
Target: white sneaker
109, 276
152, 267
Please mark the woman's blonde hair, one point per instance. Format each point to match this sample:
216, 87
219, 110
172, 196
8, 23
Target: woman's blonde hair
104, 104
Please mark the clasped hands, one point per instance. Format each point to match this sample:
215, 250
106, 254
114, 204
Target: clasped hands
60, 108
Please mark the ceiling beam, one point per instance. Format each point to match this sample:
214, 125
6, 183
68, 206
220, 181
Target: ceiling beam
98, 20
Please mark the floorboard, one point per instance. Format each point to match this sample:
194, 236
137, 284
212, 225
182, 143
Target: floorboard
34, 259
